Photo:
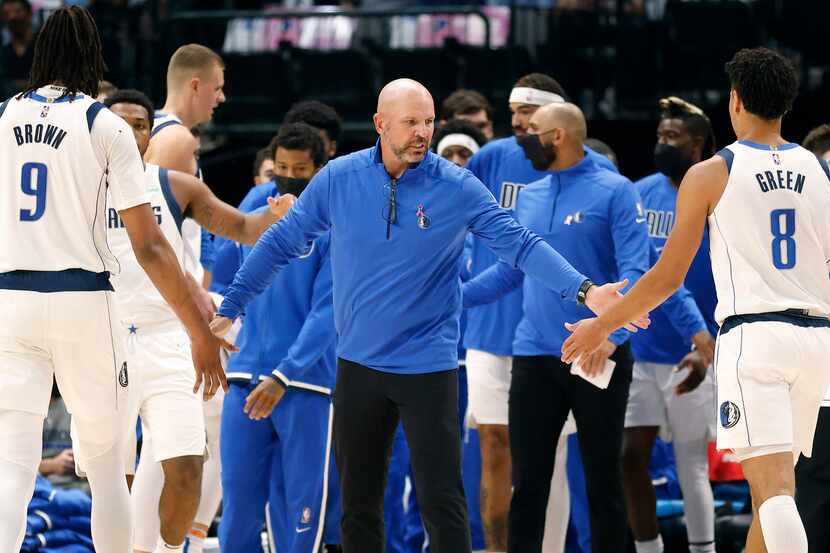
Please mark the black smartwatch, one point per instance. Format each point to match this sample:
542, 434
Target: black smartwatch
582, 294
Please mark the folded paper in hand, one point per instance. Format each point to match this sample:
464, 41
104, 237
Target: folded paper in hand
600, 380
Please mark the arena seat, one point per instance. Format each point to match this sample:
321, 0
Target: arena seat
344, 79
255, 89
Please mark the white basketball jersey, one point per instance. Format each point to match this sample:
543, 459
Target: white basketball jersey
59, 156
770, 232
191, 231
139, 301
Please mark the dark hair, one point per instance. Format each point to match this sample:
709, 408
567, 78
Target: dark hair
540, 81
300, 136
318, 115
130, 96
25, 3
458, 126
818, 140
465, 102
68, 52
602, 148
693, 117
262, 155
766, 81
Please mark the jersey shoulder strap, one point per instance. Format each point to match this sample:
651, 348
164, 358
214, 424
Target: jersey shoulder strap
92, 112
3, 107
170, 198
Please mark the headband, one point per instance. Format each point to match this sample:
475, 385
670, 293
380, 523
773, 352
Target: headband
457, 139
534, 96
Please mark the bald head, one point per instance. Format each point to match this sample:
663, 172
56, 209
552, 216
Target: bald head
565, 116
401, 92
405, 122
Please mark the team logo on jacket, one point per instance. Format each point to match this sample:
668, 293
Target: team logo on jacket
423, 220
306, 516
729, 414
509, 194
123, 377
574, 218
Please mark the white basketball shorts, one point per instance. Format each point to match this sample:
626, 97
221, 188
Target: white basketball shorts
488, 385
162, 369
772, 372
652, 401
75, 336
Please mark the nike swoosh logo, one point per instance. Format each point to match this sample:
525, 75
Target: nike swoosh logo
640, 220
301, 530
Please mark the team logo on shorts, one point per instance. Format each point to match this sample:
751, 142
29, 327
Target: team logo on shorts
729, 414
306, 516
123, 377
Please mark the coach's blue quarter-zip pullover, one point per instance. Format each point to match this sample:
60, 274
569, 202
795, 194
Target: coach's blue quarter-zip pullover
289, 328
593, 217
502, 166
396, 246
667, 340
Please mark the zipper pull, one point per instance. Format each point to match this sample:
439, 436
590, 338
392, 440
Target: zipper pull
393, 207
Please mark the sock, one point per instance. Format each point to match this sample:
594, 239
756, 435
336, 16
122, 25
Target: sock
698, 503
781, 525
195, 540
650, 546
162, 547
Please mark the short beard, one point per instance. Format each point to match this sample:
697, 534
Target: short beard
401, 153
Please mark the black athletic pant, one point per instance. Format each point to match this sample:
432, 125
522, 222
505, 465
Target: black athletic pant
812, 487
367, 407
542, 391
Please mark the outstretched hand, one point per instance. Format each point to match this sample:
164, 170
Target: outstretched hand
280, 206
588, 335
601, 298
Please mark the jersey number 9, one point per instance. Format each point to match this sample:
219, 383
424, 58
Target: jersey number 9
33, 183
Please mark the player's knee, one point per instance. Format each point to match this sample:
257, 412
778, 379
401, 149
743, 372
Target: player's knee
183, 475
495, 446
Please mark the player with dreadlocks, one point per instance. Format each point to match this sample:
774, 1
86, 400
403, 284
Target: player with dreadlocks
62, 152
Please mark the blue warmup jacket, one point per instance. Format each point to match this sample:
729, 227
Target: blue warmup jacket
667, 340
397, 292
289, 328
503, 168
594, 218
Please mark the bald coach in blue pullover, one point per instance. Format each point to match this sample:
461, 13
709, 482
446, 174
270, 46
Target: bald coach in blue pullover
595, 216
398, 216
505, 170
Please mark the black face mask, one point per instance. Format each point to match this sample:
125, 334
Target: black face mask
671, 161
539, 155
288, 185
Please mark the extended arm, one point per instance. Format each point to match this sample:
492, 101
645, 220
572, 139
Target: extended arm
198, 201
495, 282
701, 188
308, 219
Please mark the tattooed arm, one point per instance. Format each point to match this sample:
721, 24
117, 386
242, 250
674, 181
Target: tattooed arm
197, 201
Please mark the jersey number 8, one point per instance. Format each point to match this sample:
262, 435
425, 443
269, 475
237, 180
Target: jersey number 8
33, 183
783, 243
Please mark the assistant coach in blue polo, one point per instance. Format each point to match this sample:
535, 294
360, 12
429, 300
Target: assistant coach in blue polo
398, 216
